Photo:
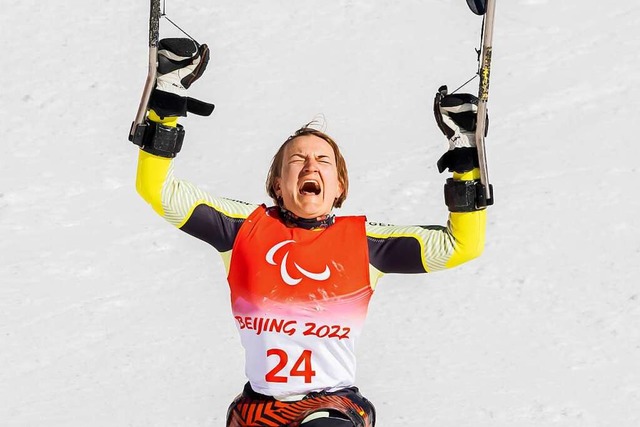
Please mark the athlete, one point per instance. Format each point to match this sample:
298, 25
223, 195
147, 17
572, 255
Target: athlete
301, 278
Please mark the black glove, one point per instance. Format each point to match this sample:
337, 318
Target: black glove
456, 116
181, 62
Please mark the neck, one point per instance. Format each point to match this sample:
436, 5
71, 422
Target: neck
292, 220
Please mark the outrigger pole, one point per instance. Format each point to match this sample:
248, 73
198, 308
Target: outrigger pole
138, 126
486, 8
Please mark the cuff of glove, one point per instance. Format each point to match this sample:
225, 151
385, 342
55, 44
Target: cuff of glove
158, 139
459, 160
167, 104
466, 196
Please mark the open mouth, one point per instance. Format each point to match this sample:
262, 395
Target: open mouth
310, 187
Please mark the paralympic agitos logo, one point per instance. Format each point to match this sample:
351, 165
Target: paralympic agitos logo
284, 270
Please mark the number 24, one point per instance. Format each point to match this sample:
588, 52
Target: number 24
302, 367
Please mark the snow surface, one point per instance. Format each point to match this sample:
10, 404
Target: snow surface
110, 317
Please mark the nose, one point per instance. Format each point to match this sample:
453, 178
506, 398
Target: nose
311, 165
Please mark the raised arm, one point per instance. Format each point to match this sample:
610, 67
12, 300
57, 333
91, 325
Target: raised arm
212, 219
424, 249
427, 248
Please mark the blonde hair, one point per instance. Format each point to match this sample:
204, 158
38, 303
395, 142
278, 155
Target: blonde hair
276, 164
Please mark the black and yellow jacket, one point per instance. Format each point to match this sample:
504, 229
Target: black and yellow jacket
392, 249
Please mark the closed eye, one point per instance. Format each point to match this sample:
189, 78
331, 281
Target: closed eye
297, 158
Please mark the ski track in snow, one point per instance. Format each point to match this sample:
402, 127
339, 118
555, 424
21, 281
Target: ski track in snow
109, 317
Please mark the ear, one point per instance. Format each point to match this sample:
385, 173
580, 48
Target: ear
276, 187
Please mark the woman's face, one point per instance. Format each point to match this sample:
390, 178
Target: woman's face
308, 183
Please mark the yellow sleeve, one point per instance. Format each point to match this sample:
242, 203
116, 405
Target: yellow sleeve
153, 171
151, 176
408, 249
174, 199
467, 229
